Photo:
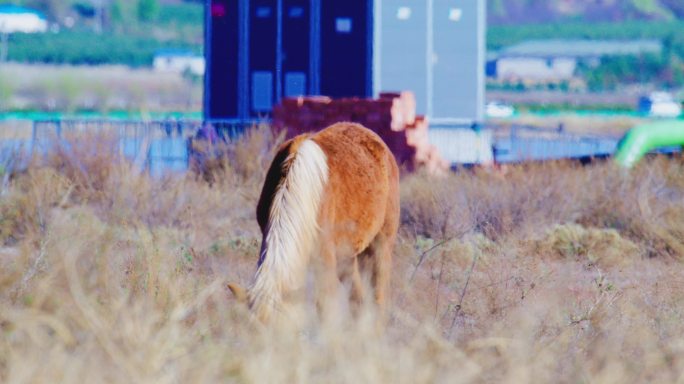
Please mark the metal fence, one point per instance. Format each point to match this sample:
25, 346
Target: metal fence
161, 146
468, 144
519, 143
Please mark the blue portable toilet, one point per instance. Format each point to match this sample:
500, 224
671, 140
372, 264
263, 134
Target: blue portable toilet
259, 51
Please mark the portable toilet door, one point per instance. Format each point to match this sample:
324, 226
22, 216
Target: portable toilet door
346, 48
296, 48
401, 46
263, 56
221, 86
435, 48
458, 60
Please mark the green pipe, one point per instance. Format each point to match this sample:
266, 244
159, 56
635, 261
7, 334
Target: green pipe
640, 140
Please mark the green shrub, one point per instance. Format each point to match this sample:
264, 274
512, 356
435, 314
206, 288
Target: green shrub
183, 14
499, 36
147, 10
83, 47
657, 69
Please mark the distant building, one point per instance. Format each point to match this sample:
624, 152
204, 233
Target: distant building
179, 61
19, 19
556, 60
536, 68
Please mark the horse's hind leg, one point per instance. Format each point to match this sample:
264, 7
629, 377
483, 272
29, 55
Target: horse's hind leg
326, 278
382, 266
358, 291
376, 261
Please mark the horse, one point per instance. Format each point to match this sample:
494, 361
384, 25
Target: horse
331, 200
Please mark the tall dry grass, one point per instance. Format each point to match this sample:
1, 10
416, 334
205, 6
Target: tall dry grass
545, 273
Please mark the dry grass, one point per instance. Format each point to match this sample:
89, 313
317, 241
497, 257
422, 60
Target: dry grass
547, 273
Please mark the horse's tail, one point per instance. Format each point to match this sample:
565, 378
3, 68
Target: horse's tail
291, 230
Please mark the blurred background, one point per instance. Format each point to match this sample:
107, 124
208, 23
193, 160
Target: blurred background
101, 57
121, 57
586, 67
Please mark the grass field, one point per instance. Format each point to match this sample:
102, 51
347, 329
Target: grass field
534, 273
576, 123
103, 89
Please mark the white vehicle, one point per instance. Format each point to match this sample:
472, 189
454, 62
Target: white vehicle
660, 104
499, 110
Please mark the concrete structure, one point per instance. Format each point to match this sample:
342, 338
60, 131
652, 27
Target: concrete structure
19, 19
259, 51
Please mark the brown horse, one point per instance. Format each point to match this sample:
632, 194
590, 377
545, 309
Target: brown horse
330, 199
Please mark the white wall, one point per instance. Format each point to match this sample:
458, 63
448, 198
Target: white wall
463, 145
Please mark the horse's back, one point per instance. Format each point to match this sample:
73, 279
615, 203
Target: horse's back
362, 185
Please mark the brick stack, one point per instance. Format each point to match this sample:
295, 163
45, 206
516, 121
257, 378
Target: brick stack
426, 154
392, 116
